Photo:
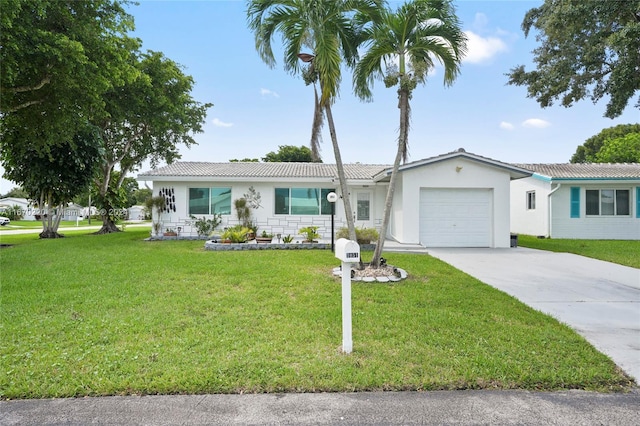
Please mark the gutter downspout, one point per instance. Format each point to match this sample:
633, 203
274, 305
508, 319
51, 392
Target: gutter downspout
549, 209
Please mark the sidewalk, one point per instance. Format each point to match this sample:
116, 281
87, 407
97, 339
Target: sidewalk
6, 230
368, 408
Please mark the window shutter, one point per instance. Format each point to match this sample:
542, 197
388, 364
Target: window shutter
638, 201
575, 201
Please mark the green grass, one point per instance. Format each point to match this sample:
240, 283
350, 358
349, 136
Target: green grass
28, 224
113, 315
623, 252
31, 224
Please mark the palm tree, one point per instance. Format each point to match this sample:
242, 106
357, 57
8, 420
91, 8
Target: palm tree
329, 30
407, 42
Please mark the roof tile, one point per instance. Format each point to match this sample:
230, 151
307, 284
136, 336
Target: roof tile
585, 170
265, 170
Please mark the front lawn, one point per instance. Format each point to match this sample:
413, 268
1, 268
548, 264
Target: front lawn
112, 315
623, 252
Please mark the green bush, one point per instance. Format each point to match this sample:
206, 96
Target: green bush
206, 226
14, 213
363, 235
236, 234
310, 233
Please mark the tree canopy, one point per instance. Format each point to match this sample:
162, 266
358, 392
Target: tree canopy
54, 178
148, 119
588, 49
58, 58
289, 154
620, 150
588, 152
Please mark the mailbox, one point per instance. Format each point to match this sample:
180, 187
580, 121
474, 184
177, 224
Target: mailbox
347, 250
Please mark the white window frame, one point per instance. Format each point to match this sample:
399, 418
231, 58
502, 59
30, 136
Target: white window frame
531, 200
614, 201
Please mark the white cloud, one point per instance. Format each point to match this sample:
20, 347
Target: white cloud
482, 49
480, 21
536, 123
219, 123
506, 125
267, 92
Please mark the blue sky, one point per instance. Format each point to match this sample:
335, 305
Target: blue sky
256, 108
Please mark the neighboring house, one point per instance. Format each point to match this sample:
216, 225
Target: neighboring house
457, 199
72, 212
579, 201
136, 212
28, 211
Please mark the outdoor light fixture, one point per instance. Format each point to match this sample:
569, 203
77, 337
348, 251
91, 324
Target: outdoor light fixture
332, 197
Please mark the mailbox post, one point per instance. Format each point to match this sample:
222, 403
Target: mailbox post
348, 252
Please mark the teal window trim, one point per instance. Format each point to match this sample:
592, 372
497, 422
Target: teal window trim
638, 202
575, 202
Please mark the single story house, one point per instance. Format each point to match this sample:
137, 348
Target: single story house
136, 212
578, 201
27, 209
458, 199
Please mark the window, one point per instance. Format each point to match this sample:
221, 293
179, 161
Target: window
607, 202
209, 201
302, 201
531, 200
362, 206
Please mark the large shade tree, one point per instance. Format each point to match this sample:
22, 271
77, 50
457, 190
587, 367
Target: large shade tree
589, 150
53, 178
148, 119
58, 58
588, 49
318, 36
401, 50
290, 154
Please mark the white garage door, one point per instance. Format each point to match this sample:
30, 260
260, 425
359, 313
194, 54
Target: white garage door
455, 217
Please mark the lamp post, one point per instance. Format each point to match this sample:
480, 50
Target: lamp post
332, 197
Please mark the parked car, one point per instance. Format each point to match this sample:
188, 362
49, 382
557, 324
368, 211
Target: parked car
4, 221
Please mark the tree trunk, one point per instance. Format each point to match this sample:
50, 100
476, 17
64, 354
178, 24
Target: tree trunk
341, 177
107, 215
108, 227
403, 104
49, 225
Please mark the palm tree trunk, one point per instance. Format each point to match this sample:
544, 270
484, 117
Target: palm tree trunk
403, 104
341, 177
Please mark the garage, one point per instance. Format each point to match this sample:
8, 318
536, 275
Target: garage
456, 217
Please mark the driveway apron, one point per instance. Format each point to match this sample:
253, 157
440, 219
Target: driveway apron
600, 300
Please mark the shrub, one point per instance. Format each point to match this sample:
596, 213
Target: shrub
236, 234
363, 235
205, 226
310, 233
14, 213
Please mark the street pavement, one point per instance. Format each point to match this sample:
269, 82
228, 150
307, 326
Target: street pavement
365, 408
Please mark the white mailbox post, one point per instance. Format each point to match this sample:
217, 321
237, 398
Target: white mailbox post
348, 252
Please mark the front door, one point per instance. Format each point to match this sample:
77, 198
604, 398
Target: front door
363, 211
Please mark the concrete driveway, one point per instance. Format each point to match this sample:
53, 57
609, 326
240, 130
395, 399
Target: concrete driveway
600, 300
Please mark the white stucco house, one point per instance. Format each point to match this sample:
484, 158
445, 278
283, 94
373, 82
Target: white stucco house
458, 199
578, 201
28, 211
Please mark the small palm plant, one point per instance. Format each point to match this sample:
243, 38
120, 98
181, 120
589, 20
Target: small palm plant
310, 233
